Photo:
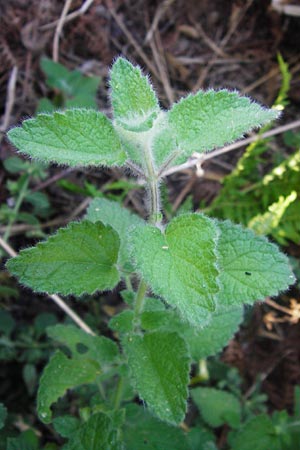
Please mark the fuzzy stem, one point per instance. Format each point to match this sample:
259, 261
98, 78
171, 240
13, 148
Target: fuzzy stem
15, 211
152, 181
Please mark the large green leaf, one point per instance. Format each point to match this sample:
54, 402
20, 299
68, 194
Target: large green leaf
98, 433
61, 374
211, 119
119, 218
217, 407
82, 345
27, 440
143, 431
159, 366
134, 102
251, 268
80, 258
76, 137
180, 264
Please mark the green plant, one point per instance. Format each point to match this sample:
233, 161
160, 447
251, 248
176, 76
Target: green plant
269, 203
71, 88
199, 271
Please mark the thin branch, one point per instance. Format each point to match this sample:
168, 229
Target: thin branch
59, 28
10, 99
79, 12
206, 156
59, 301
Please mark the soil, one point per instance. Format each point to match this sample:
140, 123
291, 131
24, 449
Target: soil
184, 45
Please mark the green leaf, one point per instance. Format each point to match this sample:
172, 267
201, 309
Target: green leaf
258, 433
134, 102
122, 322
211, 119
61, 374
217, 407
76, 137
207, 341
119, 218
26, 441
80, 258
251, 268
3, 415
143, 431
66, 426
160, 377
82, 345
98, 433
180, 264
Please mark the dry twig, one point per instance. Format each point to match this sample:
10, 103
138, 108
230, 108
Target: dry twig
59, 28
79, 12
10, 99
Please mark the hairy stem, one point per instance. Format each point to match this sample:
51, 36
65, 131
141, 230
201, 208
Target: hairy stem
152, 181
140, 297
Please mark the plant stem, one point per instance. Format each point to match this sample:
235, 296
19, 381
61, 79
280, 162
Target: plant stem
140, 297
118, 396
153, 187
15, 211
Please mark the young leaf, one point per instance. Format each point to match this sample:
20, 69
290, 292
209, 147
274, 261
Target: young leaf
80, 258
82, 345
66, 426
180, 265
61, 374
160, 377
250, 267
134, 102
27, 440
119, 218
98, 433
211, 119
258, 433
143, 431
76, 137
217, 407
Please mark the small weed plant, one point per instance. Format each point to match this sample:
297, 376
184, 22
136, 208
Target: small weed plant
186, 280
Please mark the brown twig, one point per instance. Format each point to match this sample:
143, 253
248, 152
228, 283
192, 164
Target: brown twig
10, 99
59, 28
79, 12
59, 301
160, 11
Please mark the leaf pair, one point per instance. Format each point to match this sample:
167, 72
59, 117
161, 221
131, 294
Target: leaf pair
82, 137
195, 264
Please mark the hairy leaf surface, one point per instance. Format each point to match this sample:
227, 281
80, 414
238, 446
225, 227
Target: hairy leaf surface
82, 345
98, 433
119, 218
207, 120
134, 102
76, 137
80, 258
250, 267
61, 374
180, 265
160, 377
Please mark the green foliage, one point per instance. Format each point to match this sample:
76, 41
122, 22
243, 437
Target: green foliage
267, 204
199, 270
61, 374
78, 259
217, 407
76, 137
162, 377
72, 89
